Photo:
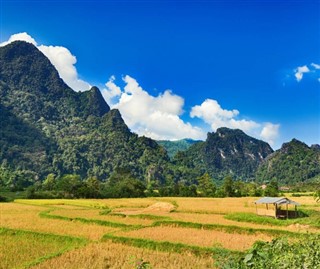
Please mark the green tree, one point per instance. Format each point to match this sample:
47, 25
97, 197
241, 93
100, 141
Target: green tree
272, 189
317, 193
228, 186
92, 187
49, 183
122, 184
206, 186
70, 185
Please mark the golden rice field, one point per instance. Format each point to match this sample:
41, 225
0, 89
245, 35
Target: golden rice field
119, 233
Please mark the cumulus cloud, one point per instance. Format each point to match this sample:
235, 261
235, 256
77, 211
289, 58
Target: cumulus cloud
111, 91
213, 114
270, 132
60, 57
21, 37
157, 117
312, 69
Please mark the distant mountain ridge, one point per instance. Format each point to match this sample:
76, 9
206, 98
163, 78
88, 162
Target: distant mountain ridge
226, 152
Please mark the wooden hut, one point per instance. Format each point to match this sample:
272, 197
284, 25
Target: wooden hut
277, 207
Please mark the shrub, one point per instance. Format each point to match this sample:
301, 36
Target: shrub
279, 253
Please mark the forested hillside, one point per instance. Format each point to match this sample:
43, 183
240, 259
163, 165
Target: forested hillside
226, 152
46, 127
294, 162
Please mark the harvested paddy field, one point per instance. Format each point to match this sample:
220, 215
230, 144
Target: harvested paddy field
198, 237
115, 256
116, 233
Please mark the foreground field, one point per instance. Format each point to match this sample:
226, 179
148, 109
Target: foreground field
121, 233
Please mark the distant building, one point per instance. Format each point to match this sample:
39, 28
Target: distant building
263, 186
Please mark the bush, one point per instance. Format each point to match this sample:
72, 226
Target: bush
279, 253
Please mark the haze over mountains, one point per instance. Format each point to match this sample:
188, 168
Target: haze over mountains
46, 127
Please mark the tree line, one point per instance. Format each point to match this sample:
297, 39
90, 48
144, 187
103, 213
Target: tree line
123, 185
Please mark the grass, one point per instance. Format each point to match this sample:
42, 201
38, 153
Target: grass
233, 229
196, 237
34, 248
313, 219
167, 246
46, 214
149, 217
26, 217
117, 229
120, 255
75, 202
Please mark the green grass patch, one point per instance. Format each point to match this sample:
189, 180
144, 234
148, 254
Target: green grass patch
106, 211
52, 202
46, 214
166, 246
312, 218
23, 249
204, 212
226, 228
149, 217
140, 216
116, 214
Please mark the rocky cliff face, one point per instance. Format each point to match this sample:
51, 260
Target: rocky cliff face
227, 152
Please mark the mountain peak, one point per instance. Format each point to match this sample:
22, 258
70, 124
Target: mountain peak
224, 131
25, 67
294, 162
19, 48
293, 144
93, 103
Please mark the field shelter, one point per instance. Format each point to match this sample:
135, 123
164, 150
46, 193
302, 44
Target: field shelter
277, 207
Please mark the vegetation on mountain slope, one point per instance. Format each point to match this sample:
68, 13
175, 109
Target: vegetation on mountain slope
173, 147
294, 162
50, 131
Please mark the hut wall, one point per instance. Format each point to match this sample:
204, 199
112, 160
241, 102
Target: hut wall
266, 212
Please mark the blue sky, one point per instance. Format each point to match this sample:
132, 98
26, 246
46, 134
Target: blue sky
182, 68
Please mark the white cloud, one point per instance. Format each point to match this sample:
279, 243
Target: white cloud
156, 117
21, 37
316, 66
270, 132
213, 114
313, 71
299, 71
60, 57
111, 91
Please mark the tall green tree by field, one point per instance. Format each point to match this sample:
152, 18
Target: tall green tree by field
206, 187
228, 186
272, 189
